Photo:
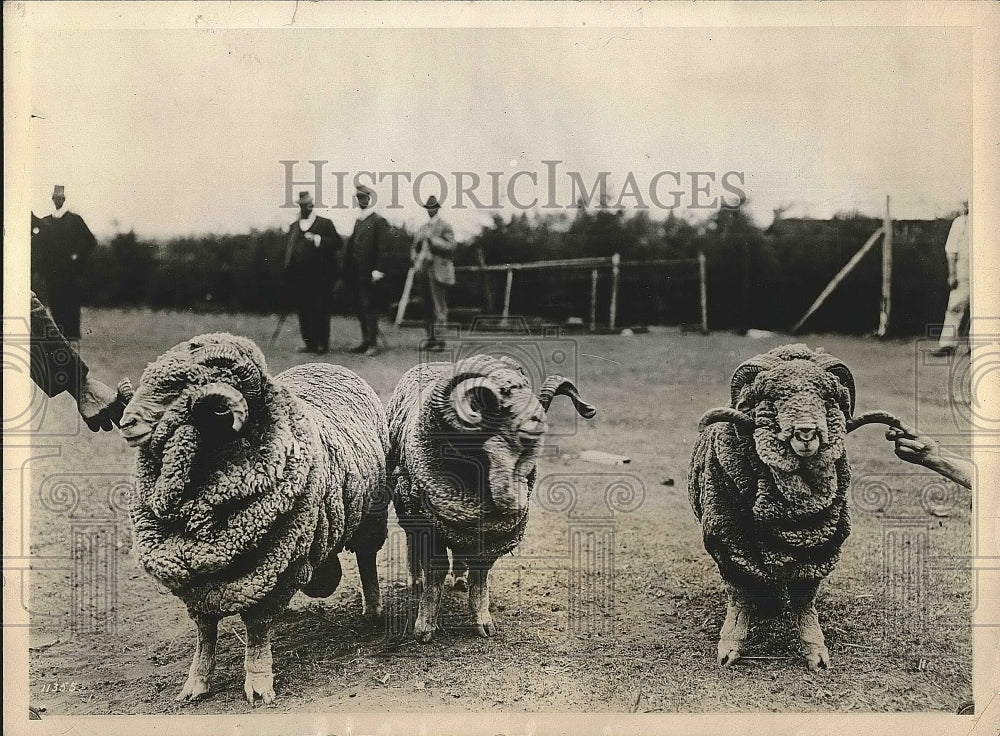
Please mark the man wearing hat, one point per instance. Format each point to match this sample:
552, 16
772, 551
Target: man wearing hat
363, 267
310, 273
63, 252
431, 254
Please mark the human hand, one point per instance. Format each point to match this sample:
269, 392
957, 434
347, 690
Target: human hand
315, 238
912, 447
99, 405
377, 276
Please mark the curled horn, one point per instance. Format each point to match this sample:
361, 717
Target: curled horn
558, 385
221, 403
843, 374
878, 417
746, 372
248, 374
725, 414
454, 397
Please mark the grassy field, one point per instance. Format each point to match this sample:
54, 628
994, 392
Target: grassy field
636, 632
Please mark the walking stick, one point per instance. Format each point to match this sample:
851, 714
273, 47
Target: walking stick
277, 329
405, 299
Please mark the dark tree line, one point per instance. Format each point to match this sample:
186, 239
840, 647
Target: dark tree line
756, 278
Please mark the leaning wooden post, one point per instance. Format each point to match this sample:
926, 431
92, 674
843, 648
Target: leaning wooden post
612, 312
506, 294
593, 299
703, 293
848, 267
885, 310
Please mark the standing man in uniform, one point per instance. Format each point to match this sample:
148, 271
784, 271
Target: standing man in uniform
956, 318
310, 273
431, 254
363, 267
67, 244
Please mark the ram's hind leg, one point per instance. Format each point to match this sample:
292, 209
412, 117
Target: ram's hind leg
366, 542
734, 629
813, 645
200, 674
257, 661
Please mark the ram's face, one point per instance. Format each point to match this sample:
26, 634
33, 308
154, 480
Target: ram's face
798, 415
175, 391
515, 427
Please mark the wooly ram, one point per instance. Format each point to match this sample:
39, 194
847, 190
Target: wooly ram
768, 481
464, 439
247, 486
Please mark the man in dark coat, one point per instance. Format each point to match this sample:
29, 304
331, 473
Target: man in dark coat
66, 244
363, 267
310, 273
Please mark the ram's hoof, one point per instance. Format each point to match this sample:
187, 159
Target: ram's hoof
729, 653
194, 689
818, 658
422, 632
259, 686
486, 629
375, 615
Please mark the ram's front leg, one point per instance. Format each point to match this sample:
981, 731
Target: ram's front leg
479, 597
734, 629
803, 604
199, 676
436, 570
257, 661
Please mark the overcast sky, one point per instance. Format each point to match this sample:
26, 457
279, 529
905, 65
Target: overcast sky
177, 132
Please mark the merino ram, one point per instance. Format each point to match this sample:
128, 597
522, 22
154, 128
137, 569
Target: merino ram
768, 482
247, 487
464, 440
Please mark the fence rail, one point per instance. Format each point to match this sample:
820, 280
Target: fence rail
614, 263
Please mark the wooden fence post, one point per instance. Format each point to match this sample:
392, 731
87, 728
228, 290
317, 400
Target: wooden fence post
506, 294
703, 293
593, 300
885, 308
612, 311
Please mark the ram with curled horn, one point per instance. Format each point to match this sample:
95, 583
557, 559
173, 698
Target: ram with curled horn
248, 486
464, 440
768, 482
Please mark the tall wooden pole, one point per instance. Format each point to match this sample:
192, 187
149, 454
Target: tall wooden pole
835, 281
703, 293
613, 310
506, 295
593, 300
885, 311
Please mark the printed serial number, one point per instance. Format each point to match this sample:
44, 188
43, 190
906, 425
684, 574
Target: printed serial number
60, 687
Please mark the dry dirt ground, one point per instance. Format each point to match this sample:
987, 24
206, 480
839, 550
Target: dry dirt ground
610, 604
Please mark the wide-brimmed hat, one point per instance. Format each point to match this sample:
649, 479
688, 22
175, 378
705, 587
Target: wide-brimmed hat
365, 191
304, 198
432, 203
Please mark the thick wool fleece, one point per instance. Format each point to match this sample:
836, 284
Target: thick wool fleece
244, 524
766, 528
769, 518
441, 477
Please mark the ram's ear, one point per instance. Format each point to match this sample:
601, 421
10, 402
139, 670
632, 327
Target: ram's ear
219, 406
